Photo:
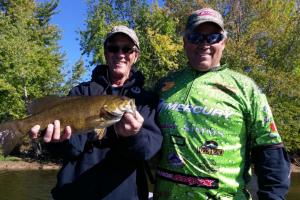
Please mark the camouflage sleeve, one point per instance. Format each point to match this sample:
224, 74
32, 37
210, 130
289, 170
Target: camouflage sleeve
262, 125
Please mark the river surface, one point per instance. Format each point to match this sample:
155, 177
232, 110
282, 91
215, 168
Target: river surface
36, 185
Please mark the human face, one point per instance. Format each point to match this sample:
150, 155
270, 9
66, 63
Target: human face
120, 54
204, 56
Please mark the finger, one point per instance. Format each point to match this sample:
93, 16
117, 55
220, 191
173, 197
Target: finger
67, 134
56, 132
134, 125
127, 118
135, 121
131, 117
139, 117
49, 133
34, 131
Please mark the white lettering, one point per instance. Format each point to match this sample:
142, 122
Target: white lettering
201, 130
181, 107
207, 112
217, 112
187, 108
170, 106
197, 109
227, 114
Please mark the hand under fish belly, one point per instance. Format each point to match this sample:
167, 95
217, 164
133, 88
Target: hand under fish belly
82, 113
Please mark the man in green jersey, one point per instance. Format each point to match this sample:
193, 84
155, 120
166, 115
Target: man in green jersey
216, 122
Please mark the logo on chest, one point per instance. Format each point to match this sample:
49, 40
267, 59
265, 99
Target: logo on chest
196, 110
210, 148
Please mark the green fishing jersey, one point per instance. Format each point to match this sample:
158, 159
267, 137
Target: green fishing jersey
210, 122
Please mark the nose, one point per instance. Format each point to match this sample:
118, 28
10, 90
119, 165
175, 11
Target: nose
120, 54
203, 45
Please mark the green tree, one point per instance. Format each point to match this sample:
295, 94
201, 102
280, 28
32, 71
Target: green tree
161, 46
76, 75
30, 58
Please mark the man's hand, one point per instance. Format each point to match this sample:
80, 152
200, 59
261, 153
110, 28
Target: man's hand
129, 125
52, 133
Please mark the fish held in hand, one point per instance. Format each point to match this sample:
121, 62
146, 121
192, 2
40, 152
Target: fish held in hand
82, 113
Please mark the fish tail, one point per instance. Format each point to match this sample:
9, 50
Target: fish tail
10, 136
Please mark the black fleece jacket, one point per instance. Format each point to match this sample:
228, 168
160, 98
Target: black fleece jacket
113, 168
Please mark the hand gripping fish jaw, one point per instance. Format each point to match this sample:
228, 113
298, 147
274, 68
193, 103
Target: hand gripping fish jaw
112, 113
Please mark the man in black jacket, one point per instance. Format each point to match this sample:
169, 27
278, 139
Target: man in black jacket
112, 168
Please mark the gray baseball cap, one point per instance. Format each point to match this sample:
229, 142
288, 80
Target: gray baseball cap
204, 15
125, 30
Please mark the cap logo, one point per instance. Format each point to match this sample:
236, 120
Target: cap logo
206, 12
202, 16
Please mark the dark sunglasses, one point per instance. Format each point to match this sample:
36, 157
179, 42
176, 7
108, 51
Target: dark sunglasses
198, 38
124, 49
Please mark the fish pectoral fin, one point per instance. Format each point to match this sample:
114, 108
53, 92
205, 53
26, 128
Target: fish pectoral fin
100, 132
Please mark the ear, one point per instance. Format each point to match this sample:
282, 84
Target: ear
137, 55
224, 42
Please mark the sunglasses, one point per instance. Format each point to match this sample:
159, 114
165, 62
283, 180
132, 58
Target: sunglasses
124, 49
198, 38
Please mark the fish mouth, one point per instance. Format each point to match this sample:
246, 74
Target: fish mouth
128, 107
133, 106
112, 115
117, 113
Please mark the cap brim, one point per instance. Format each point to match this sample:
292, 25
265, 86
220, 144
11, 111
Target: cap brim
122, 32
195, 25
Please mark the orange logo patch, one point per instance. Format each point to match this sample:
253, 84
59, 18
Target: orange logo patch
167, 86
273, 127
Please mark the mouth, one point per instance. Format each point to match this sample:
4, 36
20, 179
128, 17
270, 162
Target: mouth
120, 62
203, 52
203, 55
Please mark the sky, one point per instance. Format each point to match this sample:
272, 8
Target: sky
70, 19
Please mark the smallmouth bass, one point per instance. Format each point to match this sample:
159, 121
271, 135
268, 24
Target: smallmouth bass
82, 113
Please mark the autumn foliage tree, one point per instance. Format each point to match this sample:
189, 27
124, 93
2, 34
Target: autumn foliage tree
263, 43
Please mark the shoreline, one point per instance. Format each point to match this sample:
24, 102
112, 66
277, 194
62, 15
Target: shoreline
34, 165
295, 168
27, 165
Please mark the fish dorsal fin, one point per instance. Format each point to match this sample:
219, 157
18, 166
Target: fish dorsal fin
44, 103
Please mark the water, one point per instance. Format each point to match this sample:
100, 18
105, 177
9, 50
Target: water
36, 185
26, 184
294, 192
